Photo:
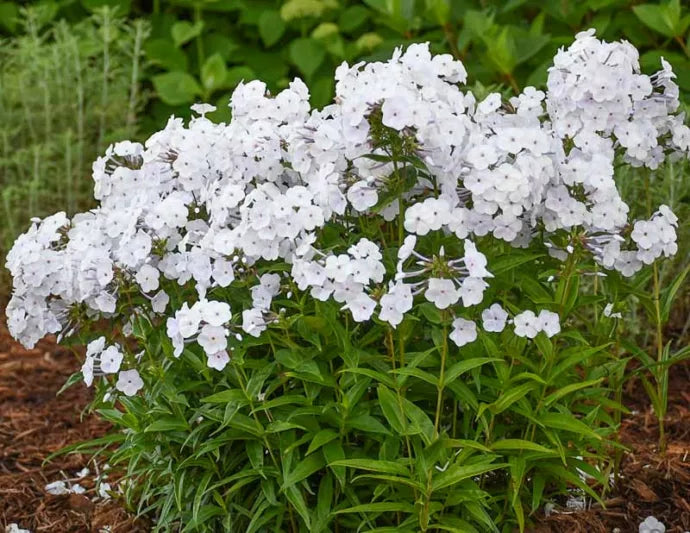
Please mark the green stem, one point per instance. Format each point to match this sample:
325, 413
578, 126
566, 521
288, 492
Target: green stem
683, 46
660, 389
619, 401
441, 378
391, 351
660, 373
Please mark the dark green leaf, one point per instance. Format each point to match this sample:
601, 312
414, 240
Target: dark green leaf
307, 54
176, 88
213, 72
271, 27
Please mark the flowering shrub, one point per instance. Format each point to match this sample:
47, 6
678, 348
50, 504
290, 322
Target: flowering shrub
376, 313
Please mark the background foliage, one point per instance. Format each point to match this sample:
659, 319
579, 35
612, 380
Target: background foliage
66, 92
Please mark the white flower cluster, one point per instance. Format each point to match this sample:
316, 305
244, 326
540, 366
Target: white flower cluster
344, 277
494, 319
100, 360
208, 205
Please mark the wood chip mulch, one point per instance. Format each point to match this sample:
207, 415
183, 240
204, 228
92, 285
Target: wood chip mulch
34, 423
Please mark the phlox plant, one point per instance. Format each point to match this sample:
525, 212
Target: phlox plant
395, 313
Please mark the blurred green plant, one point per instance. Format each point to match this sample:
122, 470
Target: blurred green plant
66, 92
201, 49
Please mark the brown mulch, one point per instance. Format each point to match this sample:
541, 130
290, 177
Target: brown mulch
651, 483
34, 423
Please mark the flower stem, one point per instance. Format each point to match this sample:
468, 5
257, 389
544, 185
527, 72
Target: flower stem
441, 378
660, 373
661, 370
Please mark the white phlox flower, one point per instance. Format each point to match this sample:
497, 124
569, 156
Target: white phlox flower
201, 209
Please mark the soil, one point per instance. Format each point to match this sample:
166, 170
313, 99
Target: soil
34, 423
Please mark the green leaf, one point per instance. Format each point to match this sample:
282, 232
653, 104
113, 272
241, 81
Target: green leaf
255, 451
571, 357
501, 51
324, 498
230, 395
519, 514
430, 312
167, 424
568, 389
379, 377
322, 437
417, 373
380, 507
670, 293
511, 261
352, 18
440, 9
309, 465
297, 500
391, 409
455, 474
333, 451
393, 479
322, 90
271, 27
213, 72
373, 465
367, 423
235, 75
200, 492
461, 367
567, 422
465, 443
420, 421
162, 52
510, 397
281, 425
184, 31
176, 88
114, 416
538, 484
520, 445
74, 378
659, 17
307, 54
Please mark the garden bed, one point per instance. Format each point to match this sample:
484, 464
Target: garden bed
35, 423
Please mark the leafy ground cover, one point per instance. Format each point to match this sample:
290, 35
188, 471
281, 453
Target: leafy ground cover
35, 423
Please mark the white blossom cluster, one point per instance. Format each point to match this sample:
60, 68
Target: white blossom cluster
206, 205
344, 277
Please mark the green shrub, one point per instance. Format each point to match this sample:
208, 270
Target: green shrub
252, 383
201, 52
